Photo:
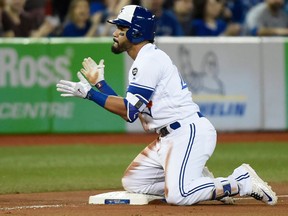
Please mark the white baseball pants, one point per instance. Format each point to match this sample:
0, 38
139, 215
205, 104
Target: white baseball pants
172, 165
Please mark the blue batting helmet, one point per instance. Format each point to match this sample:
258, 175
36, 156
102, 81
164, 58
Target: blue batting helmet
139, 20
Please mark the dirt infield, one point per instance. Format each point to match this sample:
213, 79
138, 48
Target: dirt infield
76, 203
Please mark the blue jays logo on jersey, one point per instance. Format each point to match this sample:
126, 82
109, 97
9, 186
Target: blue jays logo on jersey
134, 71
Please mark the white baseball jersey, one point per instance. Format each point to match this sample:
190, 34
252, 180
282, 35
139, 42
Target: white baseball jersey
154, 77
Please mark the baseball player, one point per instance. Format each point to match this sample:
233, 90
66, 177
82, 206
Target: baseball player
173, 164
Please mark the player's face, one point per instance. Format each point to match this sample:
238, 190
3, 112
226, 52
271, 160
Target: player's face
121, 43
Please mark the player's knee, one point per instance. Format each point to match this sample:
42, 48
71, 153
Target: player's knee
130, 185
171, 199
171, 195
126, 183
134, 185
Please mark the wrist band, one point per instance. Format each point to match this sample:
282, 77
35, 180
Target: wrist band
105, 88
97, 97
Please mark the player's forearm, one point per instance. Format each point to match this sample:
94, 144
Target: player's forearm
116, 105
111, 103
128, 108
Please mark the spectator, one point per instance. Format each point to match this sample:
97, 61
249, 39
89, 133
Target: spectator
37, 9
112, 7
49, 27
79, 22
183, 11
168, 4
166, 21
207, 20
239, 8
60, 8
286, 6
16, 21
267, 19
96, 6
41, 11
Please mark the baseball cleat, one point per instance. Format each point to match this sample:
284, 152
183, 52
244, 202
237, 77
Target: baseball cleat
260, 189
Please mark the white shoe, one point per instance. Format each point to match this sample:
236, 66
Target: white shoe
226, 200
260, 189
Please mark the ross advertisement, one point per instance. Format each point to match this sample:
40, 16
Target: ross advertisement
29, 71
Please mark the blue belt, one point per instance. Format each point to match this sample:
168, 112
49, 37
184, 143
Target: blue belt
175, 125
165, 131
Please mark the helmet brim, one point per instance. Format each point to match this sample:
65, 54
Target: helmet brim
119, 22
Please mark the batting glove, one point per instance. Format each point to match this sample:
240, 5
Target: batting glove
93, 72
74, 89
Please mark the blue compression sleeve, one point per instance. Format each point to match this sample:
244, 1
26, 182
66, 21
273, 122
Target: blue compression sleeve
97, 97
105, 88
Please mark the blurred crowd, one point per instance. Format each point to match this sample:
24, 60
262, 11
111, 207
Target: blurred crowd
87, 18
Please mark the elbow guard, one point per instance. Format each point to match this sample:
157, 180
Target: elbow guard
134, 105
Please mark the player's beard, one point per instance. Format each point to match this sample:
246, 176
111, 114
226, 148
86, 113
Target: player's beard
118, 48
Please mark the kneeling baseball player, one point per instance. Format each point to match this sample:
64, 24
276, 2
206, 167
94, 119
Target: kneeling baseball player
174, 164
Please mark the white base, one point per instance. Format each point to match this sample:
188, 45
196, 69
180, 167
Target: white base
123, 197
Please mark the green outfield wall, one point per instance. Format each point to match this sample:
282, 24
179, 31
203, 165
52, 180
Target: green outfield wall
29, 71
239, 83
